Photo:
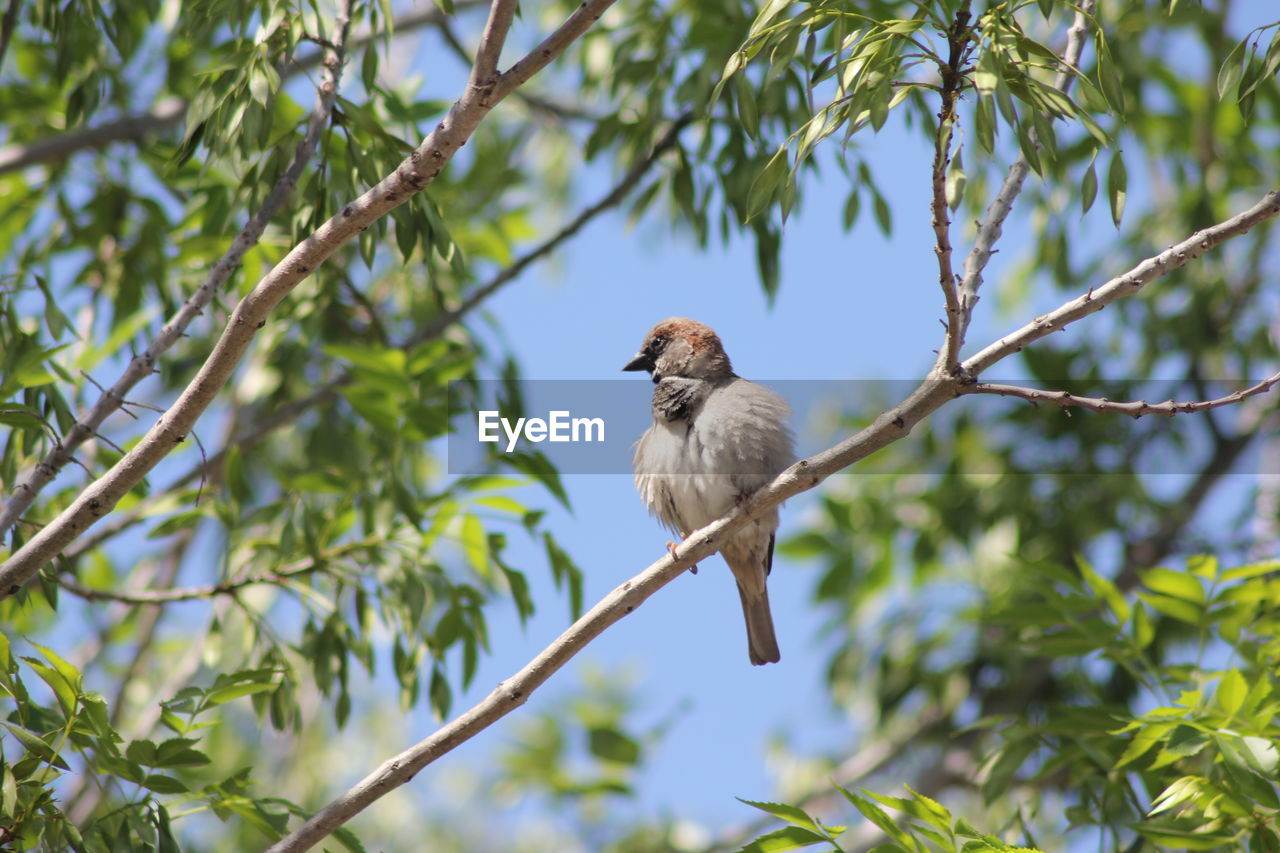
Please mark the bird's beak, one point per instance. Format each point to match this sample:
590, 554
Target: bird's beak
642, 361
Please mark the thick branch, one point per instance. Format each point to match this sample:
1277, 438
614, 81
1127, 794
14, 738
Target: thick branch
143, 364
1129, 283
1133, 408
418, 170
991, 226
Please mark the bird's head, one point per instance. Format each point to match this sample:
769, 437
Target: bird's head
684, 348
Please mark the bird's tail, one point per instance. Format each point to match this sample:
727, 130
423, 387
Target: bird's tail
762, 643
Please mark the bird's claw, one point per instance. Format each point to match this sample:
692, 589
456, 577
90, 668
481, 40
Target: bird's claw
671, 549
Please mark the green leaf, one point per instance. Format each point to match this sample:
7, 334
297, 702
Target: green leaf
1088, 187
613, 745
35, 745
876, 815
476, 545
1176, 584
162, 784
1117, 184
787, 838
1231, 692
791, 814
766, 183
1232, 69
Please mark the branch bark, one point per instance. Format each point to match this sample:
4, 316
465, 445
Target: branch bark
418, 170
934, 392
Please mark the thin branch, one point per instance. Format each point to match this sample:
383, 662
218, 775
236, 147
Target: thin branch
952, 79
1133, 408
1127, 284
418, 170
164, 596
991, 226
934, 392
143, 364
165, 114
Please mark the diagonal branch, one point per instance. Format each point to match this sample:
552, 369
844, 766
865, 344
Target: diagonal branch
934, 392
418, 170
1133, 408
1127, 284
143, 364
991, 227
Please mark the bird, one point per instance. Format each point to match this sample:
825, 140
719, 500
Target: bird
716, 439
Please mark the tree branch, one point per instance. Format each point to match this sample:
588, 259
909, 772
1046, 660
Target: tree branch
143, 364
485, 68
164, 596
991, 226
934, 392
1134, 408
1130, 282
418, 170
952, 80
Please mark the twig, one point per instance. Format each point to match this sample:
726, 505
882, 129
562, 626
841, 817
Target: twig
143, 364
991, 226
418, 170
165, 596
1133, 408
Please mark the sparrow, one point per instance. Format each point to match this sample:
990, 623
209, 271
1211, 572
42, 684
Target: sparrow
715, 439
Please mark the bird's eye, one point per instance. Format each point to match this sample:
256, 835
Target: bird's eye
658, 343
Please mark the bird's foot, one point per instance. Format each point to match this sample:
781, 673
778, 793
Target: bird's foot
671, 549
